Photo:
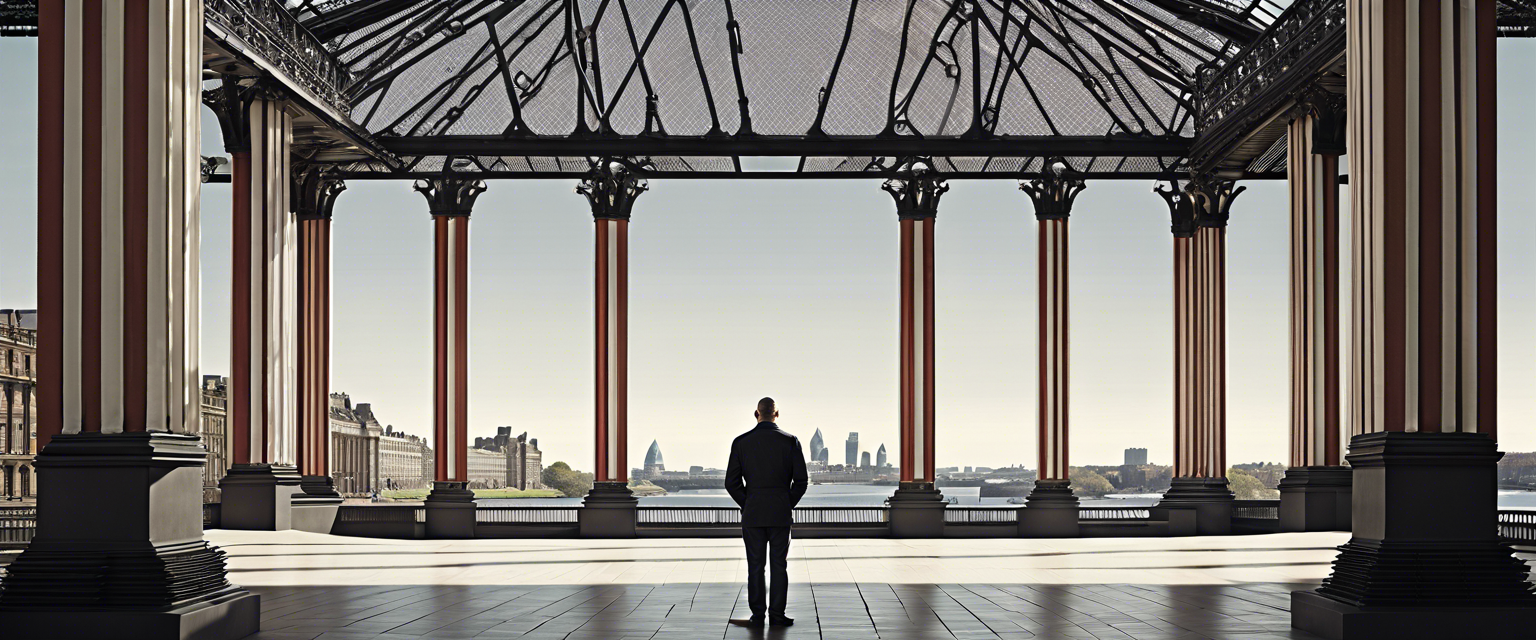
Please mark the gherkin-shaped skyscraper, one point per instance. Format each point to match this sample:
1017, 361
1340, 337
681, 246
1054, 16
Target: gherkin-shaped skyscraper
817, 446
653, 458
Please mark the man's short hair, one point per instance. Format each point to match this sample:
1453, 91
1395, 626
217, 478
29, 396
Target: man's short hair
765, 409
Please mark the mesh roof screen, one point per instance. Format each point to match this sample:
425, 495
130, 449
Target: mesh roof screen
497, 72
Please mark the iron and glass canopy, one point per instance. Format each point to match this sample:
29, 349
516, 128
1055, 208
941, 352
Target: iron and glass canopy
984, 87
848, 88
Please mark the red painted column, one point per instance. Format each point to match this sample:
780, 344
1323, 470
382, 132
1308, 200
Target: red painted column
1425, 557
916, 193
118, 178
1199, 212
121, 467
450, 200
1315, 494
314, 197
1052, 195
263, 377
1185, 330
611, 388
1316, 142
611, 190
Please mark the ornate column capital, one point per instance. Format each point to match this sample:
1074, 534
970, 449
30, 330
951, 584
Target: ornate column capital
916, 189
314, 193
1213, 200
1327, 111
1054, 191
612, 186
453, 197
231, 102
1181, 208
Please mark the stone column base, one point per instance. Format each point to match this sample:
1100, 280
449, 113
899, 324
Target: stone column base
119, 551
1329, 618
1315, 499
1050, 512
450, 511
1425, 558
917, 511
610, 510
258, 497
315, 506
1208, 497
235, 615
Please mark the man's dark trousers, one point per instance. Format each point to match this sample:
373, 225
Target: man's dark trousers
767, 545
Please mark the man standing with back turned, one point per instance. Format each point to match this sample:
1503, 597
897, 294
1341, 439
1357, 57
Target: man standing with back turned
766, 477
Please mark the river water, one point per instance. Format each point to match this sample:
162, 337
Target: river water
821, 495
858, 495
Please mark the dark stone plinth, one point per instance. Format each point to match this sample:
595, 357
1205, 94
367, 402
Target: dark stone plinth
450, 510
119, 551
1425, 557
1315, 499
610, 510
258, 497
917, 511
316, 505
1329, 618
1210, 499
317, 487
1050, 512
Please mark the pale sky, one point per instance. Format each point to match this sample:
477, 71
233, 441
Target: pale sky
788, 288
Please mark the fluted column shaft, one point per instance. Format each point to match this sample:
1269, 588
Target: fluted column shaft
450, 201
1207, 451
1422, 166
314, 196
1052, 195
1053, 349
118, 184
1314, 288
611, 189
263, 354
917, 206
612, 349
1199, 212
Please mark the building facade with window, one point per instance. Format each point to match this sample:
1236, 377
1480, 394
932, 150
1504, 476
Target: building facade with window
18, 404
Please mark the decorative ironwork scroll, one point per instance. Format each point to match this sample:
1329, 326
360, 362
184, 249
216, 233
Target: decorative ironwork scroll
276, 35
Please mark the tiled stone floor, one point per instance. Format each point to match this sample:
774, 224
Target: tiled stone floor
336, 588
842, 611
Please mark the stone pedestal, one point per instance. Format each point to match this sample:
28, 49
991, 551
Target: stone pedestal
258, 497
1315, 499
1210, 499
917, 511
316, 504
1425, 559
450, 511
119, 551
1050, 512
609, 511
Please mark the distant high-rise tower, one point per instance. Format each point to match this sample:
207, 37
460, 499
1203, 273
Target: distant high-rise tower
864, 459
817, 446
653, 458
1135, 457
851, 449
825, 453
880, 457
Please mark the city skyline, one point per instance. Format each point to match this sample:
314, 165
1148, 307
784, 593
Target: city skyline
741, 289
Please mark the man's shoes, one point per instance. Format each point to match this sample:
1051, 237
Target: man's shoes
781, 621
754, 622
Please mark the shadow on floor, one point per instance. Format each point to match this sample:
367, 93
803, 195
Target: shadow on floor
844, 611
